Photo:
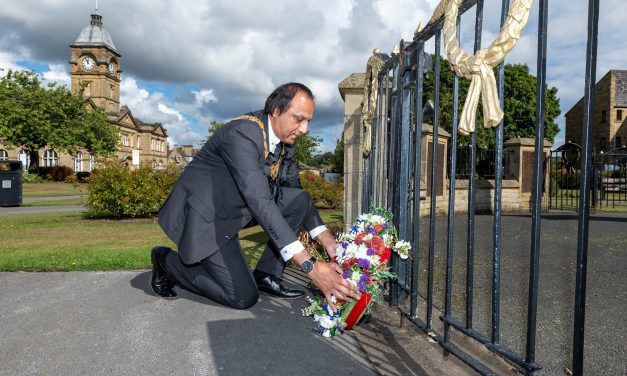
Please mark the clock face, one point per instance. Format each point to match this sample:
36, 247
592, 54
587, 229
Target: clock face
88, 63
112, 67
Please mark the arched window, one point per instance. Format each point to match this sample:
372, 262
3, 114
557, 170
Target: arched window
51, 158
25, 158
3, 155
78, 162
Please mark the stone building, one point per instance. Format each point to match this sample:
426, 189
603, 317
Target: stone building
95, 63
180, 156
610, 114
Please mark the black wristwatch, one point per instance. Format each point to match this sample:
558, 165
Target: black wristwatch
308, 265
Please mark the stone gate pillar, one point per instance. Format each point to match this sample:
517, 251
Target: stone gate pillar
351, 90
520, 159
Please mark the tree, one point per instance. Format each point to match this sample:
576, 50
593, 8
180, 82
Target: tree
519, 109
338, 156
213, 128
33, 116
306, 144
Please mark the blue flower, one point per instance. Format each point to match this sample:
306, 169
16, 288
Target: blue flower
363, 263
371, 252
347, 274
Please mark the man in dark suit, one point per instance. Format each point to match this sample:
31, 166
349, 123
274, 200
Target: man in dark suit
235, 181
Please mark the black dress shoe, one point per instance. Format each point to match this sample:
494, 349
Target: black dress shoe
272, 286
160, 283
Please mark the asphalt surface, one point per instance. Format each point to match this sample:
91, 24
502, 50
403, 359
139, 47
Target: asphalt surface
13, 210
605, 339
111, 323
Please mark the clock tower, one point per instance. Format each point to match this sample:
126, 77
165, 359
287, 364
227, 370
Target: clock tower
95, 66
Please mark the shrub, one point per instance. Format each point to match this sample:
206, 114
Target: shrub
116, 191
324, 194
83, 176
32, 178
56, 173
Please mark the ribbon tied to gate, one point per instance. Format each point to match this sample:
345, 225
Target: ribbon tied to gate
478, 67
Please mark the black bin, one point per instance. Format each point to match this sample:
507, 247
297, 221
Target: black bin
10, 183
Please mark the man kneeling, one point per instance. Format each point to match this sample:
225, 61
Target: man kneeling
245, 175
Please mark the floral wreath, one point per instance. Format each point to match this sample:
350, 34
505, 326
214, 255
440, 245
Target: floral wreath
478, 67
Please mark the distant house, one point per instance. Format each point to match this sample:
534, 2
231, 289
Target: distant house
610, 113
180, 156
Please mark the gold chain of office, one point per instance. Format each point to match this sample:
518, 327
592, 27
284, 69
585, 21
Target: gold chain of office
274, 167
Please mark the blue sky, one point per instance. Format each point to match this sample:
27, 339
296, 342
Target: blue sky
188, 63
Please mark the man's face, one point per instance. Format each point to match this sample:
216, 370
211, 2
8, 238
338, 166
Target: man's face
294, 122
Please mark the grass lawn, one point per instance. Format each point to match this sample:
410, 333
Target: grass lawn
70, 242
52, 188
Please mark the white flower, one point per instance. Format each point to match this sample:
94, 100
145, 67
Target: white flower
326, 322
326, 333
402, 248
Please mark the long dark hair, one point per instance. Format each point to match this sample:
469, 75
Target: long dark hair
282, 96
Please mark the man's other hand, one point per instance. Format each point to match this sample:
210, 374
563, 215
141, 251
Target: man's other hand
328, 241
328, 277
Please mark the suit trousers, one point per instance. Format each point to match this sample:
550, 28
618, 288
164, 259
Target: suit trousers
224, 277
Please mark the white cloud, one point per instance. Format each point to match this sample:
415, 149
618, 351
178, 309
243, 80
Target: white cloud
154, 108
57, 73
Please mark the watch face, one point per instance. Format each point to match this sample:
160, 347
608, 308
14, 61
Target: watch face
88, 63
112, 68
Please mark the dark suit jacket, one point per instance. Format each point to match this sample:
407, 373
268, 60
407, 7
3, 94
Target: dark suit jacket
223, 188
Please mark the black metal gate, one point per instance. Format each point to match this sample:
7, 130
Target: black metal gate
609, 179
394, 173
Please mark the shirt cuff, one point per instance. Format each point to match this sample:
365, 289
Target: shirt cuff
291, 249
316, 231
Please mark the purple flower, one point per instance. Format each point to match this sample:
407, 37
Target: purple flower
386, 226
363, 263
364, 279
362, 287
344, 245
347, 274
371, 252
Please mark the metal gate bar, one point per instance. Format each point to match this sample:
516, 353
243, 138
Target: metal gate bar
538, 174
584, 194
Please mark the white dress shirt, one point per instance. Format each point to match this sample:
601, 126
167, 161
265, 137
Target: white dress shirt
291, 249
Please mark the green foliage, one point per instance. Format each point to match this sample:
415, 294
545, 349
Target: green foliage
32, 178
213, 128
33, 116
520, 104
323, 193
306, 144
338, 156
118, 192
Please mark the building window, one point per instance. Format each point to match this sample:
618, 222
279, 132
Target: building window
78, 162
24, 157
619, 114
619, 141
603, 116
92, 162
51, 158
125, 140
3, 155
137, 145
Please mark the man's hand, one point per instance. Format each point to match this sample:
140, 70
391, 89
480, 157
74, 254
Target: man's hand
328, 277
328, 241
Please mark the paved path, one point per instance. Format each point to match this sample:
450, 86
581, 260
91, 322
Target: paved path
39, 209
52, 198
110, 323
